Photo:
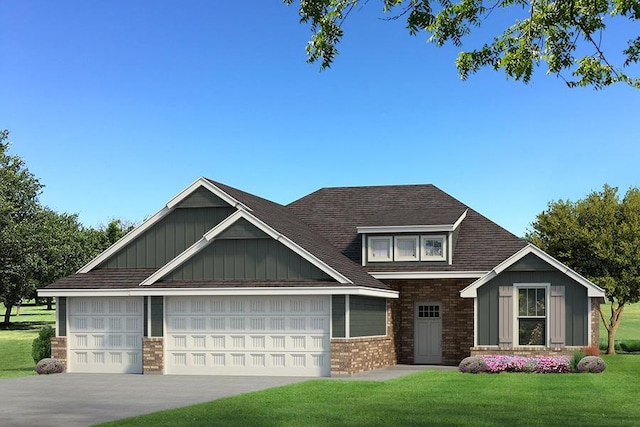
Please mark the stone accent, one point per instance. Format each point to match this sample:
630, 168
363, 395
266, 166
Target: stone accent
456, 314
595, 320
59, 348
524, 351
352, 355
152, 355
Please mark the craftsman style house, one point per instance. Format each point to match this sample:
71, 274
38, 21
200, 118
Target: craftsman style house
343, 280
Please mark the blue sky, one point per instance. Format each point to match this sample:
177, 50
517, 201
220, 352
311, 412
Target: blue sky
118, 105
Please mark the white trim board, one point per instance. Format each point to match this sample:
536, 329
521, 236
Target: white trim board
593, 290
247, 291
427, 274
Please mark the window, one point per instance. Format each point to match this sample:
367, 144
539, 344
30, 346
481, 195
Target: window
380, 249
432, 248
432, 311
406, 248
532, 320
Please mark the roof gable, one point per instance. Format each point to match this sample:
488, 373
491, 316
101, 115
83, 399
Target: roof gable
523, 255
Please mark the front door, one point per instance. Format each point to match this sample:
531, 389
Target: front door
428, 333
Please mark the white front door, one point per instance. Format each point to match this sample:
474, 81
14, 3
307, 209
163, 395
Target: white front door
105, 335
428, 333
244, 335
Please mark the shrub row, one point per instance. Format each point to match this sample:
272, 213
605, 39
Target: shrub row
542, 365
627, 346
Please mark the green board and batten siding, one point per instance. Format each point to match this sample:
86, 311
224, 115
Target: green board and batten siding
532, 269
168, 238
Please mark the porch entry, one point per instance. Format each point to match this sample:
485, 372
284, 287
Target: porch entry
428, 333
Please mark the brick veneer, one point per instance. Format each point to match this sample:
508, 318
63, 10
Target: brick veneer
595, 320
456, 314
152, 355
59, 348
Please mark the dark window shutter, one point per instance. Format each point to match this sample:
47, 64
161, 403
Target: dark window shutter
505, 316
557, 316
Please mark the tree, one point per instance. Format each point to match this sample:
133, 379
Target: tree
567, 35
599, 237
19, 191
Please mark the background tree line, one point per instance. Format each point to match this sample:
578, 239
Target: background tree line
38, 245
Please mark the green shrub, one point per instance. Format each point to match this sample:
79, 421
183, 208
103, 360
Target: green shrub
630, 346
41, 347
576, 357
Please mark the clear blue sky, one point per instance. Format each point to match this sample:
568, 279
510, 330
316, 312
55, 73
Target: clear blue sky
118, 105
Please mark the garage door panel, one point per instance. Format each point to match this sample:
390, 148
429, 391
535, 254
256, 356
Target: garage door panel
105, 335
248, 336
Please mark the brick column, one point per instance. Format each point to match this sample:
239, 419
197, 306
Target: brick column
59, 348
595, 321
152, 355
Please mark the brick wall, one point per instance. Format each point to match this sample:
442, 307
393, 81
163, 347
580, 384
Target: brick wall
59, 348
524, 351
595, 320
456, 314
152, 355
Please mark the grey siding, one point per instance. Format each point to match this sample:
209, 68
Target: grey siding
367, 316
242, 229
530, 262
157, 316
338, 316
168, 238
576, 317
61, 306
247, 259
203, 198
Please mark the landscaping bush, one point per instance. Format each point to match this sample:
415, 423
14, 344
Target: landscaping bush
592, 350
472, 365
592, 364
576, 357
50, 366
630, 346
41, 347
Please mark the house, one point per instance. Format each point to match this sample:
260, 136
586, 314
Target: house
343, 280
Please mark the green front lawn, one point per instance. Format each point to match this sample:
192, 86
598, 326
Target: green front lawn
444, 398
629, 326
15, 343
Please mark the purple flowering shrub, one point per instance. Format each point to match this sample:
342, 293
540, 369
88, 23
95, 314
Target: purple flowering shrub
50, 365
497, 364
592, 364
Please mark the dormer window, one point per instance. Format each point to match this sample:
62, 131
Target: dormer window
380, 249
406, 248
403, 248
432, 248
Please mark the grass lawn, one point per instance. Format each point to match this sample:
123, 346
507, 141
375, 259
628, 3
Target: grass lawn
439, 398
15, 343
629, 327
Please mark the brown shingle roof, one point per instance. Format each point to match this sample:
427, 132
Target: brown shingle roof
104, 278
336, 212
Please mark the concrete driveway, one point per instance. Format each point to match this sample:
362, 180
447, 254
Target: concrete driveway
86, 399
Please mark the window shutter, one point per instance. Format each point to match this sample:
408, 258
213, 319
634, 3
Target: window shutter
505, 316
557, 317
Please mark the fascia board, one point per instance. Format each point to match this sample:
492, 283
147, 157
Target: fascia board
427, 274
247, 291
405, 229
203, 182
459, 220
125, 240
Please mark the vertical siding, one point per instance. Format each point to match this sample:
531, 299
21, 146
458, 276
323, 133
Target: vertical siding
576, 316
367, 316
247, 259
338, 316
61, 307
168, 238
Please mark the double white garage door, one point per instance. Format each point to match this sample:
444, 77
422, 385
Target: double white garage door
233, 335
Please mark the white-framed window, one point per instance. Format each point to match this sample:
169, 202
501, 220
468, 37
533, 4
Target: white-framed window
380, 249
432, 248
531, 315
406, 248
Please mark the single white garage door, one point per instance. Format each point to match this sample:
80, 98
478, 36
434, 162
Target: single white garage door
274, 335
105, 334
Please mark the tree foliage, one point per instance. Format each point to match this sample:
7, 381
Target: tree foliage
598, 236
567, 35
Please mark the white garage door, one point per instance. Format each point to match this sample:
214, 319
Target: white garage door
284, 336
105, 334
